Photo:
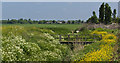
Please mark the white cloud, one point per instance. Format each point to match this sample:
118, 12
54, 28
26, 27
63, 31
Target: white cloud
60, 0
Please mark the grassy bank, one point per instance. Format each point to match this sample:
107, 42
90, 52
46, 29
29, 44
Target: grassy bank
36, 43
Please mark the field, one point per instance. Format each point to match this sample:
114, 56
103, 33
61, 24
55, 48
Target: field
37, 42
58, 28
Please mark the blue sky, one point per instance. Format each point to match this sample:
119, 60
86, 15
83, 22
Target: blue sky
60, 0
51, 10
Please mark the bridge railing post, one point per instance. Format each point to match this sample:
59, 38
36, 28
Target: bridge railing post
76, 38
85, 39
82, 39
94, 38
68, 37
100, 37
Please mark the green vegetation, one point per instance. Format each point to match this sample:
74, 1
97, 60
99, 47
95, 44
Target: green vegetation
106, 16
101, 13
57, 28
38, 43
31, 44
37, 40
29, 21
93, 19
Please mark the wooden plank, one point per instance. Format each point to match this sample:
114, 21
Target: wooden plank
75, 42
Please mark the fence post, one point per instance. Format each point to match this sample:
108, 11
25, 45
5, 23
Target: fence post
68, 37
82, 39
94, 37
85, 38
100, 37
76, 38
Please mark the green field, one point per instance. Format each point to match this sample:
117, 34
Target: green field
57, 28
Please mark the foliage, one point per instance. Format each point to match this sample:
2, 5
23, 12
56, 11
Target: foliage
114, 15
31, 44
29, 21
93, 19
101, 13
57, 28
105, 53
108, 13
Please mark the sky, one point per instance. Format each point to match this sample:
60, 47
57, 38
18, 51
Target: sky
60, 0
51, 10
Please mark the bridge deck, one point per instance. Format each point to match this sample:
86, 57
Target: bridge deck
76, 42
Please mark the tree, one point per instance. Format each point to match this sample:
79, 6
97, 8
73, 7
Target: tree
108, 13
101, 13
68, 22
30, 21
53, 21
79, 21
63, 22
118, 20
93, 19
114, 15
73, 22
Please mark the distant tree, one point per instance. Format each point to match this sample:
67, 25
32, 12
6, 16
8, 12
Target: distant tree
114, 15
4, 21
101, 13
25, 21
63, 22
44, 21
39, 22
34, 22
93, 19
89, 20
20, 21
53, 21
12, 21
82, 21
8, 19
73, 22
119, 21
68, 22
79, 21
108, 13
30, 21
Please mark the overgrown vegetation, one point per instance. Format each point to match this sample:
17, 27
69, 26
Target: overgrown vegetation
36, 43
31, 44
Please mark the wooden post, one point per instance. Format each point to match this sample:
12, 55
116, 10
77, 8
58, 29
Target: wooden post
59, 37
85, 38
94, 37
76, 38
100, 37
82, 39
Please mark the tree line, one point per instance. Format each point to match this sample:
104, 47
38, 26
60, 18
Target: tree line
29, 21
106, 16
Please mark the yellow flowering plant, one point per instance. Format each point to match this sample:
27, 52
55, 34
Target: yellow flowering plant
105, 53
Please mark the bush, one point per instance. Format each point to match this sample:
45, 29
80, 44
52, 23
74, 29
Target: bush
31, 44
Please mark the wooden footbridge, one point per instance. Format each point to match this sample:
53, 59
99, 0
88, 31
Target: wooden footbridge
79, 39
